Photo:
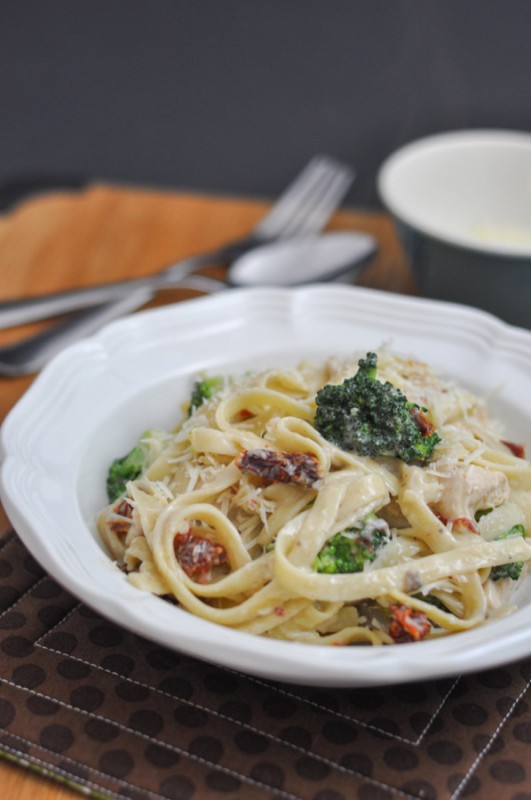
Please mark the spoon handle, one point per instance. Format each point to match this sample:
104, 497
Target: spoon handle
31, 354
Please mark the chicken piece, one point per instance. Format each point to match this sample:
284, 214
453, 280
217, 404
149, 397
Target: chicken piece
467, 489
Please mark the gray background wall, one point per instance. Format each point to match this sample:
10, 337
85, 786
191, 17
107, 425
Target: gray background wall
235, 95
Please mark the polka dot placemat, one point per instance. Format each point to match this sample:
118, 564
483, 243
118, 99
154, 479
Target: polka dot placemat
120, 717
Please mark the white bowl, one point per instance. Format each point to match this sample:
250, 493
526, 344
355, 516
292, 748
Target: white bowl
462, 204
92, 401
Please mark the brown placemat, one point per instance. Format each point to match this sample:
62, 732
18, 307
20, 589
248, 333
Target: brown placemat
117, 716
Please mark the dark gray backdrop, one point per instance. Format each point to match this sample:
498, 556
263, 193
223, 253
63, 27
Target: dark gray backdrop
235, 95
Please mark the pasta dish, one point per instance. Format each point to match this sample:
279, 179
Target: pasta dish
363, 501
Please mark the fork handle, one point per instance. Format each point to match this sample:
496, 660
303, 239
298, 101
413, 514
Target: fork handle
31, 354
28, 309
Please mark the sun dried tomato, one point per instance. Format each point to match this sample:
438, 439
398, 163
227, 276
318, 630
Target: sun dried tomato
198, 555
124, 508
408, 625
426, 427
465, 523
300, 468
517, 450
121, 527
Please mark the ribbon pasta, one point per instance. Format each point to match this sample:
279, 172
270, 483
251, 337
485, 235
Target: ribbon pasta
230, 519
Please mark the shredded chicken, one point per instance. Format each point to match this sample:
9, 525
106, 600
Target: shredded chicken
467, 489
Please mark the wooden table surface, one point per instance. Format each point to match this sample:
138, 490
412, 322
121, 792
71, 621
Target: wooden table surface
67, 239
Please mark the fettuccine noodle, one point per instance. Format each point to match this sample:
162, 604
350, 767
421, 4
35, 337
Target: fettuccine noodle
217, 526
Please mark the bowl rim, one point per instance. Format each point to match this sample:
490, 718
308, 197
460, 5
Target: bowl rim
445, 141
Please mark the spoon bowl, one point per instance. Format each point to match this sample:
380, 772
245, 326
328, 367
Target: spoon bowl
311, 259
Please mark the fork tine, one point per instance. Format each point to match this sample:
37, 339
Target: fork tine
314, 215
300, 198
317, 190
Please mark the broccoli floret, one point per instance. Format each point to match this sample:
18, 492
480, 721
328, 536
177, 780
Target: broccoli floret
350, 550
203, 390
123, 470
373, 418
514, 569
431, 600
130, 466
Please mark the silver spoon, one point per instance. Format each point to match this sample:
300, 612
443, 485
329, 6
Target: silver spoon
325, 257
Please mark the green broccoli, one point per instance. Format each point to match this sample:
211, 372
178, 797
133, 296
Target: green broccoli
431, 600
136, 461
203, 390
373, 418
350, 550
514, 569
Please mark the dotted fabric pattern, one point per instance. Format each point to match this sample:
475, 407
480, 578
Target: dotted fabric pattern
121, 717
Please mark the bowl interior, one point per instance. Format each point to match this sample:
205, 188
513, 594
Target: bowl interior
471, 189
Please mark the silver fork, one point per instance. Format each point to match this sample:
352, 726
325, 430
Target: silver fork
303, 208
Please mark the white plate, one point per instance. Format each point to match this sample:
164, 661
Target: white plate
92, 401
